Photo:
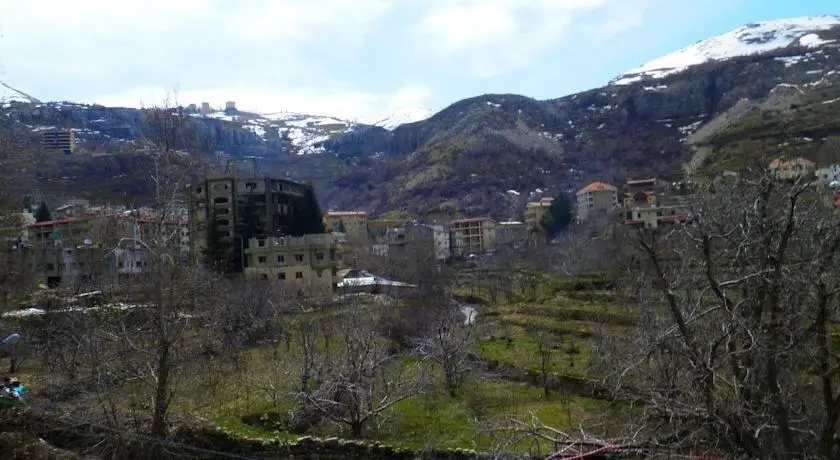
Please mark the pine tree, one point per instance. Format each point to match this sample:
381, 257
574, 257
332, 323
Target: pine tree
43, 213
307, 218
558, 217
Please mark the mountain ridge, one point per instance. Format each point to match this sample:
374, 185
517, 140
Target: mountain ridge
467, 157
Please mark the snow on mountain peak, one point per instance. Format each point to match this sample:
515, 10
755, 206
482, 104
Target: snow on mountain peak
750, 39
407, 116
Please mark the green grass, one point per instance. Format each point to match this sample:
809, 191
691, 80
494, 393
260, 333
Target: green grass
568, 356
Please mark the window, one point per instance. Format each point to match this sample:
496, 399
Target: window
263, 277
262, 259
223, 222
280, 259
320, 273
261, 243
220, 200
298, 257
319, 256
299, 275
281, 276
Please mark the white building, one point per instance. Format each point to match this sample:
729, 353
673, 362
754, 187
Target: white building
443, 250
828, 174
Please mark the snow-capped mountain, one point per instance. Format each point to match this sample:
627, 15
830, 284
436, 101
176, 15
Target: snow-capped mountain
305, 133
752, 39
409, 116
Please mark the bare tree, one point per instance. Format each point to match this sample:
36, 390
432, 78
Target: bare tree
364, 378
735, 350
448, 341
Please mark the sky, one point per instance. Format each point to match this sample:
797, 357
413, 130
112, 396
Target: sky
362, 60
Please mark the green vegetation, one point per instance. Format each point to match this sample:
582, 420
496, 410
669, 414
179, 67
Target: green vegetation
558, 217
307, 217
43, 213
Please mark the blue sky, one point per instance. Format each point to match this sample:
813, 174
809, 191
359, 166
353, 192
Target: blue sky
356, 59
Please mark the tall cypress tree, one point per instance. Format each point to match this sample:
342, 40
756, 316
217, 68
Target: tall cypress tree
307, 217
43, 213
558, 217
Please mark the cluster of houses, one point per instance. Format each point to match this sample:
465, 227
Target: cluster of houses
82, 240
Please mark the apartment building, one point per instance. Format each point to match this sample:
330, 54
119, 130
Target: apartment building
414, 243
60, 140
303, 266
512, 232
792, 169
472, 235
655, 216
354, 224
535, 211
226, 200
596, 199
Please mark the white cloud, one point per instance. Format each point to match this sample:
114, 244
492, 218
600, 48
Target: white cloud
350, 105
491, 37
266, 53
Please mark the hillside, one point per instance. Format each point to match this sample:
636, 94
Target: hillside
489, 154
479, 149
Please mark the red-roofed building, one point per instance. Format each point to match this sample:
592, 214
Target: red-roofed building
792, 169
596, 198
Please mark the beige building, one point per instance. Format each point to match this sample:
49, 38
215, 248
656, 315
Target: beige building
472, 235
304, 266
792, 169
225, 200
596, 198
655, 216
535, 211
352, 223
62, 140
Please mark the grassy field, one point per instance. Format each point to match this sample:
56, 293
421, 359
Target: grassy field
249, 392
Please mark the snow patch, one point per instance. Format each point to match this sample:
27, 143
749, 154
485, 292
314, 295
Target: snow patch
744, 41
813, 41
512, 192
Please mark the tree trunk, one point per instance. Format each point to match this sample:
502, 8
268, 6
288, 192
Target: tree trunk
161, 391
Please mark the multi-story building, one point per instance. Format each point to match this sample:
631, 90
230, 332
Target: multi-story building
472, 235
354, 224
535, 211
792, 169
512, 232
829, 175
596, 199
304, 266
226, 202
413, 243
655, 216
62, 140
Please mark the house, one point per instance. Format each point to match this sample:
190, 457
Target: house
535, 211
511, 232
352, 223
655, 216
303, 266
597, 198
792, 169
472, 235
828, 175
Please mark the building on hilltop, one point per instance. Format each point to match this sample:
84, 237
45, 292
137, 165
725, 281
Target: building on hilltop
230, 209
230, 107
303, 266
596, 199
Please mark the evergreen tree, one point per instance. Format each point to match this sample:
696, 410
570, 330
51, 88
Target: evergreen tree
43, 213
558, 217
339, 227
307, 218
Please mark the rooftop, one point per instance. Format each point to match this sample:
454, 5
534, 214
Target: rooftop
597, 187
346, 213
